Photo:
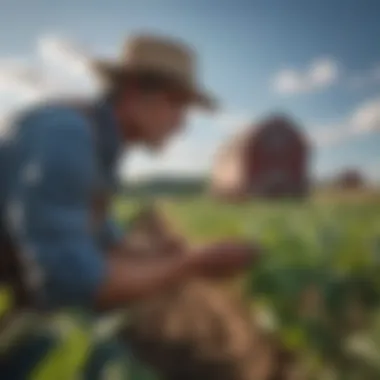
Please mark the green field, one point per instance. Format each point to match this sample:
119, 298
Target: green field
328, 246
204, 219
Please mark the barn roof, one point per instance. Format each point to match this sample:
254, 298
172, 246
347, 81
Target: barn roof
241, 140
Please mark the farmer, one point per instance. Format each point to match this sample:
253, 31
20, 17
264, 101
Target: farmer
57, 162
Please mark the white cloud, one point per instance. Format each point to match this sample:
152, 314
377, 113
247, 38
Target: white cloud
321, 73
63, 54
19, 79
229, 121
366, 118
363, 120
329, 135
58, 67
185, 156
190, 154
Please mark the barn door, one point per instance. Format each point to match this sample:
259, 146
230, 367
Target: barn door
276, 181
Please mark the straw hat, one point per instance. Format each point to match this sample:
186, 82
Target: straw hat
164, 56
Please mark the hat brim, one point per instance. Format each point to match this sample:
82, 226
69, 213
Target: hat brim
111, 72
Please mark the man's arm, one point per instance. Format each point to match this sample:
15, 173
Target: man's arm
49, 216
48, 212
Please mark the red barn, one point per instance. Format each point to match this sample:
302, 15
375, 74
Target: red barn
269, 159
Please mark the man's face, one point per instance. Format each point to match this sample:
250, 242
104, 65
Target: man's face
157, 116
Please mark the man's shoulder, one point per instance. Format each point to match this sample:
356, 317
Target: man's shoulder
55, 114
61, 131
23, 123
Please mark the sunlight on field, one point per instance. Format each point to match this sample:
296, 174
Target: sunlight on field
203, 219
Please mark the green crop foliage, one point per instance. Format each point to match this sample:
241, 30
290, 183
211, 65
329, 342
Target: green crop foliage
322, 255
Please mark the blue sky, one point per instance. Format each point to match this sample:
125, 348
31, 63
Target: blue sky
318, 60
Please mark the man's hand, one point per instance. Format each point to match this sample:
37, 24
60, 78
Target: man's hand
130, 279
224, 259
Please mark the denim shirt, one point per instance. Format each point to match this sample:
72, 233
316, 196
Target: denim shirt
52, 161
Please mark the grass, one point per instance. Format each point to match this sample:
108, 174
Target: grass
203, 219
331, 242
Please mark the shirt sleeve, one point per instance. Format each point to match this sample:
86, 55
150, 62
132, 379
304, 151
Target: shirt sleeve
48, 210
